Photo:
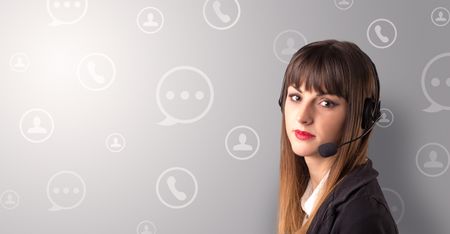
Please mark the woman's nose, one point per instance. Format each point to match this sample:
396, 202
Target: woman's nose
305, 114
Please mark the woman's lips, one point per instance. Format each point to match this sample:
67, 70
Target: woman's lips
303, 135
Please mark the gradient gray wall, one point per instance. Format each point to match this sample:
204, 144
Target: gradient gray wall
162, 116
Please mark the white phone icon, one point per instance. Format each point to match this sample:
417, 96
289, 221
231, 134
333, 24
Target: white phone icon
380, 36
93, 73
223, 17
181, 196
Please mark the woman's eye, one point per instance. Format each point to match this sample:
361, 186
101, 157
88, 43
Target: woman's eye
293, 97
328, 104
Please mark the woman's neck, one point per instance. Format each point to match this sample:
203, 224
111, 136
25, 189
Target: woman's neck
318, 167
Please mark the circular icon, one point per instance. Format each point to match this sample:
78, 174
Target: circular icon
440, 16
395, 203
150, 20
115, 142
67, 11
96, 71
242, 142
436, 83
221, 14
343, 4
36, 125
287, 43
432, 159
176, 187
387, 118
381, 33
19, 62
146, 227
65, 190
9, 199
184, 95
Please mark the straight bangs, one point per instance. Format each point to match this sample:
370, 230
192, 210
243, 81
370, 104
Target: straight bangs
323, 71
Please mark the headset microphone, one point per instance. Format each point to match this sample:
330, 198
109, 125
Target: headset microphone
330, 149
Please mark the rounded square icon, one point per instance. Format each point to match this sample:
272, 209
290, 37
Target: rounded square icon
387, 118
395, 203
65, 190
9, 199
19, 62
150, 20
66, 11
343, 4
221, 14
146, 227
432, 159
176, 187
96, 71
184, 95
436, 83
36, 125
381, 33
242, 142
440, 16
287, 43
115, 142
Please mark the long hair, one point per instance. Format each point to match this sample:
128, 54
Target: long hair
336, 67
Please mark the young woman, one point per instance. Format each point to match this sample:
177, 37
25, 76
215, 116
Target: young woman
330, 103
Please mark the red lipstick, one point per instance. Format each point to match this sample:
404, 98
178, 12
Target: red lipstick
303, 135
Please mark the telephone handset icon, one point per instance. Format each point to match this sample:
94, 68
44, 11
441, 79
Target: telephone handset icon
380, 36
93, 73
223, 17
181, 196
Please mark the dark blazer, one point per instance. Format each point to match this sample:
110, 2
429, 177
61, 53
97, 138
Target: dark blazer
356, 205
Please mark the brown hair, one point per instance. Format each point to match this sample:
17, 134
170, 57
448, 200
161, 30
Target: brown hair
336, 67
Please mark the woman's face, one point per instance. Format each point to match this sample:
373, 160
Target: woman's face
322, 116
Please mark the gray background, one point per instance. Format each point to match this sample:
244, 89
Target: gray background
234, 196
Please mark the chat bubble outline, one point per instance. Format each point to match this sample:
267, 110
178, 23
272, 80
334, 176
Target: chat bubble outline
435, 106
55, 206
57, 22
170, 119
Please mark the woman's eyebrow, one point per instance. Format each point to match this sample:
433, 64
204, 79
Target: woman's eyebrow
319, 94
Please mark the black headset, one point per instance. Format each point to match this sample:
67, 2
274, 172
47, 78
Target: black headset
371, 111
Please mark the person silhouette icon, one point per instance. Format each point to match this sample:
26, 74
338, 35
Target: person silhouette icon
289, 49
150, 21
37, 128
146, 230
116, 143
9, 200
19, 63
433, 163
242, 146
344, 2
440, 17
384, 118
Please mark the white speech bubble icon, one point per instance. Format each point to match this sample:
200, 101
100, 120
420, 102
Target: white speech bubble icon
66, 11
184, 95
65, 190
436, 83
